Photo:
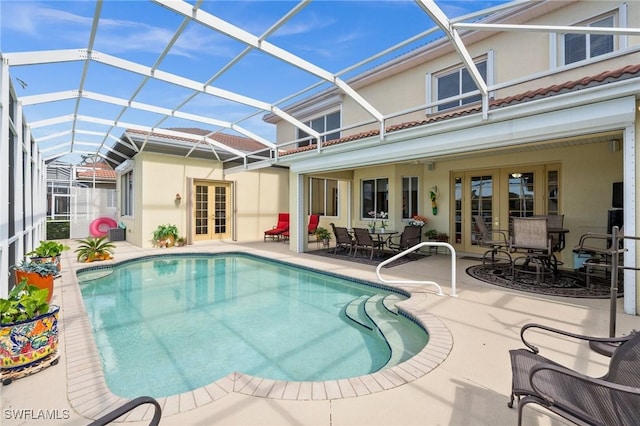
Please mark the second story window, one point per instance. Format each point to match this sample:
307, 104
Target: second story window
578, 47
458, 82
323, 124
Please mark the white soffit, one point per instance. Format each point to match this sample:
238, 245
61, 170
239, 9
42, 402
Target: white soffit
471, 133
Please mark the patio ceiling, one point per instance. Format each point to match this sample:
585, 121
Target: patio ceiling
204, 64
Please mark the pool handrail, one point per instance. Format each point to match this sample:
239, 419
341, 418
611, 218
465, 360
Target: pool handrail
452, 251
112, 416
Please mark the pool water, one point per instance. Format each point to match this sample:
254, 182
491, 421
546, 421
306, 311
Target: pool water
171, 324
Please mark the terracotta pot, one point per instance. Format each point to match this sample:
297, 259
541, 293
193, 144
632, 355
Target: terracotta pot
28, 342
35, 279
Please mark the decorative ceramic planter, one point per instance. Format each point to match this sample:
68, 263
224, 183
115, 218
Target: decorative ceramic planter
36, 279
26, 343
53, 259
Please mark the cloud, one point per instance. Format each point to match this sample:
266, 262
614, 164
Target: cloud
115, 36
311, 23
30, 17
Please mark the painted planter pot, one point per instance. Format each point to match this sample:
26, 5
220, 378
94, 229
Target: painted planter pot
25, 343
54, 259
36, 279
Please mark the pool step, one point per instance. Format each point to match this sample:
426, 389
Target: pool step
355, 312
376, 310
390, 302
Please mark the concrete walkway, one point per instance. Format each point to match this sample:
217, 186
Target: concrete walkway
469, 387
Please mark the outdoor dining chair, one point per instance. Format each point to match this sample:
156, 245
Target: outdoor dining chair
344, 240
556, 221
530, 237
497, 242
613, 399
411, 236
364, 240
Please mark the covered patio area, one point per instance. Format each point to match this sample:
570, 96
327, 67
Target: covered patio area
471, 386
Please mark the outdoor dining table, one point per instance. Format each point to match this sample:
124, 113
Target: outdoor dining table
380, 235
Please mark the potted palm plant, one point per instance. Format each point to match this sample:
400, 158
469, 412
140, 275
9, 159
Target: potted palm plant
40, 275
94, 248
28, 331
48, 251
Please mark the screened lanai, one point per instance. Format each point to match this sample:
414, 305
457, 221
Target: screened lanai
99, 83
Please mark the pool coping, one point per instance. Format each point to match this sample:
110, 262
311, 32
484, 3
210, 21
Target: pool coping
90, 396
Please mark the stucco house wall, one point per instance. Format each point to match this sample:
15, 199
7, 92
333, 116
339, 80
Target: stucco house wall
515, 55
259, 194
585, 197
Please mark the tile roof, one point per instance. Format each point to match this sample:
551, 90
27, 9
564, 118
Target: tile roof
240, 143
101, 171
629, 71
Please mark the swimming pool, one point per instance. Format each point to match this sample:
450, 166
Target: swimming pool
168, 324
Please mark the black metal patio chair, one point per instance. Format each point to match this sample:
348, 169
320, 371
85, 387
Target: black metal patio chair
613, 399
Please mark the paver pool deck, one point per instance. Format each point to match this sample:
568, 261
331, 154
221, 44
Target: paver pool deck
462, 379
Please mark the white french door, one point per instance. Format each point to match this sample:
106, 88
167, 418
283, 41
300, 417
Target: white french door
498, 195
212, 212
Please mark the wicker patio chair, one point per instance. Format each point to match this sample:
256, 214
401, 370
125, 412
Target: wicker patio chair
344, 240
496, 240
613, 399
411, 236
364, 240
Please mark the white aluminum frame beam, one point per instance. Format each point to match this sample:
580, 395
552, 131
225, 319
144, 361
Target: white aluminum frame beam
73, 94
145, 129
452, 34
53, 56
215, 23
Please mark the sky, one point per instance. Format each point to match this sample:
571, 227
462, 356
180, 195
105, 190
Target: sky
330, 34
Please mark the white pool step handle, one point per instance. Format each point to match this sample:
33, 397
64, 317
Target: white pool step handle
410, 250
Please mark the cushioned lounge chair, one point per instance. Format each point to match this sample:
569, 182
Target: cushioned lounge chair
613, 399
314, 221
282, 226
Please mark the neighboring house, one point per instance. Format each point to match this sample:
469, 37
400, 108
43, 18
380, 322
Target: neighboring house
554, 132
179, 178
77, 195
